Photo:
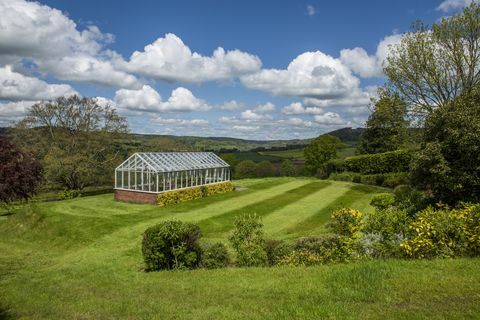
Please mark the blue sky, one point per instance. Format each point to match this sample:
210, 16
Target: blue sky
285, 69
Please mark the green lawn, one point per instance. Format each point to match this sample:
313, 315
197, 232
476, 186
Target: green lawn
80, 259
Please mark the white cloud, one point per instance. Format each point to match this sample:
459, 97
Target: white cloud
169, 59
365, 65
449, 5
251, 115
47, 37
16, 86
311, 74
148, 99
329, 118
180, 122
265, 108
246, 128
311, 11
15, 110
298, 108
232, 105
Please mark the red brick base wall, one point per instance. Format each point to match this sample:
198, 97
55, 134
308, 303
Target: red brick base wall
135, 196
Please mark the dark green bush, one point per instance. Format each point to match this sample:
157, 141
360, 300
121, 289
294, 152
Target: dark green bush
276, 250
382, 201
392, 161
214, 256
409, 199
389, 180
66, 194
248, 241
171, 245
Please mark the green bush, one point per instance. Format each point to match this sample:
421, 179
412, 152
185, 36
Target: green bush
335, 166
68, 194
392, 161
276, 250
383, 231
382, 201
171, 245
409, 198
389, 180
214, 256
444, 232
182, 195
248, 241
303, 258
329, 249
346, 222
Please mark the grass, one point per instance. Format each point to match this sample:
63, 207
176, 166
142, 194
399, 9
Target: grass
80, 259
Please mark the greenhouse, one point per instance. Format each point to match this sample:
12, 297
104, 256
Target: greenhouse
144, 175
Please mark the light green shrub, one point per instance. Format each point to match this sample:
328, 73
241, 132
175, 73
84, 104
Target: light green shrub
248, 241
382, 201
214, 256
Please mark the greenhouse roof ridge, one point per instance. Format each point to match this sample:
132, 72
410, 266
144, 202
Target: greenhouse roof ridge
173, 161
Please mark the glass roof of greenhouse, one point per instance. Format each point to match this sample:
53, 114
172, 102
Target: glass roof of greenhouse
172, 161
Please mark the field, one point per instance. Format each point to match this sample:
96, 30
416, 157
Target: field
80, 259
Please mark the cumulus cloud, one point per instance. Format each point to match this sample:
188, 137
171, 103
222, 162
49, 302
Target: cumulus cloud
252, 115
265, 108
16, 86
246, 128
365, 65
169, 59
12, 111
296, 108
180, 122
232, 105
449, 5
52, 41
148, 99
329, 118
311, 11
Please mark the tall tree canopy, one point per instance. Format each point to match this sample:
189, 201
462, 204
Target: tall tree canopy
75, 137
387, 127
20, 173
433, 66
320, 151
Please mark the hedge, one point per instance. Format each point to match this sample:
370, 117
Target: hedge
389, 180
182, 195
392, 161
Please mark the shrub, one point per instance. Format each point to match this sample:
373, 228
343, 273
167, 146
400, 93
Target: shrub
248, 241
444, 232
245, 169
264, 169
392, 161
409, 198
177, 196
382, 201
171, 245
276, 250
335, 166
389, 180
330, 248
300, 258
214, 256
346, 222
383, 231
68, 194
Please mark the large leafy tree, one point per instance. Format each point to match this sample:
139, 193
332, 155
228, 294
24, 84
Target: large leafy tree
320, 151
75, 137
387, 127
20, 173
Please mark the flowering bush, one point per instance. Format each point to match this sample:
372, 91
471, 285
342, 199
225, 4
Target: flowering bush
346, 222
444, 232
177, 196
300, 258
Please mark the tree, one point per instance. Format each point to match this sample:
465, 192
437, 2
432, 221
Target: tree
433, 66
20, 173
245, 169
448, 167
386, 128
75, 138
287, 168
320, 151
264, 169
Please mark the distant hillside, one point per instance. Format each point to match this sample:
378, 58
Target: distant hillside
348, 135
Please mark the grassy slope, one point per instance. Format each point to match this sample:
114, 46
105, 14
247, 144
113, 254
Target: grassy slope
81, 259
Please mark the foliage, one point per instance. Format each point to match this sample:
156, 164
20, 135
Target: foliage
20, 173
247, 239
409, 199
320, 151
346, 222
214, 256
444, 232
288, 169
75, 138
245, 169
171, 245
386, 127
276, 250
66, 194
389, 180
382, 201
392, 161
264, 169
182, 195
433, 66
383, 231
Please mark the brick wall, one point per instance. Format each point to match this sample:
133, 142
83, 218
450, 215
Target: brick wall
135, 196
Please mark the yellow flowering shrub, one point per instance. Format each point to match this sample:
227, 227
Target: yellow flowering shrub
300, 258
346, 222
444, 232
182, 195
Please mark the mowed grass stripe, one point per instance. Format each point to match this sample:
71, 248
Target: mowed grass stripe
357, 197
126, 238
303, 209
221, 224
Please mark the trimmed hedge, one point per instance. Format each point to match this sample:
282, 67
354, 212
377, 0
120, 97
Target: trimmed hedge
393, 161
389, 180
177, 196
